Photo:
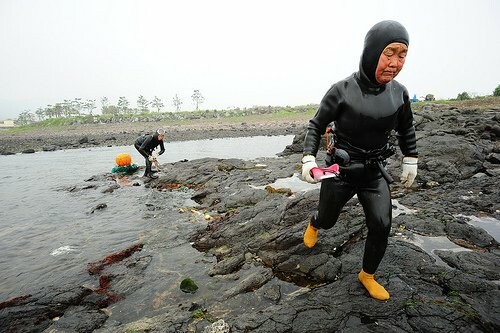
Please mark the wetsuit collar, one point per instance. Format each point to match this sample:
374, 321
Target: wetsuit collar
366, 85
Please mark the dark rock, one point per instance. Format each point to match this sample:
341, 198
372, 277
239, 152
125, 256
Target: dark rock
98, 207
227, 266
481, 265
422, 223
49, 148
469, 233
494, 158
446, 159
251, 282
79, 319
111, 188
37, 312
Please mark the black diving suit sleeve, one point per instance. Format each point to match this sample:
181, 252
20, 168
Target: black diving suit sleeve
406, 130
317, 125
162, 148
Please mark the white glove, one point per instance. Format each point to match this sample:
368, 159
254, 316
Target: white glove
409, 171
308, 162
153, 157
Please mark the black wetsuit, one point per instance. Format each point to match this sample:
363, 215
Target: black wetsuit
145, 145
364, 113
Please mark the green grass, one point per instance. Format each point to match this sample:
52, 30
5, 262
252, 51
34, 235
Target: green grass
482, 103
254, 114
188, 117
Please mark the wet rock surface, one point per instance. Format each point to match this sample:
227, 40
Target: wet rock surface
253, 271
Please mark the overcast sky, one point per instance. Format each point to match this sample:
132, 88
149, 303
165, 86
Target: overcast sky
237, 53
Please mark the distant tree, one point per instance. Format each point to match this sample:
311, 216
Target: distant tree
177, 103
157, 103
463, 96
68, 108
49, 112
430, 97
123, 104
40, 113
76, 107
197, 98
142, 104
104, 102
110, 110
25, 118
89, 106
65, 107
497, 91
57, 110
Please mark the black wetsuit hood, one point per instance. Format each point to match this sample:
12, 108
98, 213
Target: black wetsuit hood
377, 38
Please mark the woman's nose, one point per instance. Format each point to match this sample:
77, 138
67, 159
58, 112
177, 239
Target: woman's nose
393, 61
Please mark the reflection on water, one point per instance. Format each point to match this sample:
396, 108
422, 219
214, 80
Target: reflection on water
426, 243
430, 244
294, 183
398, 209
62, 250
48, 234
490, 224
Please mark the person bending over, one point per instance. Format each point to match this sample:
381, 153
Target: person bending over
145, 144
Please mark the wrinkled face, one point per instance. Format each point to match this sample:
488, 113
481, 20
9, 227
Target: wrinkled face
391, 62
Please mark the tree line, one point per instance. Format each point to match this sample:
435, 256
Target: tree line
80, 107
462, 96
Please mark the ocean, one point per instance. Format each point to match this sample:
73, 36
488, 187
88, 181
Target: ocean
48, 233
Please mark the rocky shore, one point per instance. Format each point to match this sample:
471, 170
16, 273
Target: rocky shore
124, 134
255, 275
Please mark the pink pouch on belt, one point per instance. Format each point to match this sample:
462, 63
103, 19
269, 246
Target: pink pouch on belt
323, 173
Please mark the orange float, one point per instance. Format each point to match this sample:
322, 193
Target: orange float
123, 159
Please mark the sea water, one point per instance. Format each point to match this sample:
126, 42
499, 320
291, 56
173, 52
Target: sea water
48, 233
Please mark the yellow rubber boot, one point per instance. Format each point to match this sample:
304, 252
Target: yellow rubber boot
374, 288
310, 236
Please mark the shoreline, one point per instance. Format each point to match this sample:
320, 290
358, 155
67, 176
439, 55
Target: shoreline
52, 138
123, 134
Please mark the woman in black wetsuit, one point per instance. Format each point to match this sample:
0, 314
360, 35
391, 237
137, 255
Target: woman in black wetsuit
365, 108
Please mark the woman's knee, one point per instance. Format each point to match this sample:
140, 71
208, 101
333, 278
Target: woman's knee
379, 227
322, 221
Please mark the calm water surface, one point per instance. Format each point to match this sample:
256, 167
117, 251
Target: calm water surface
48, 234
